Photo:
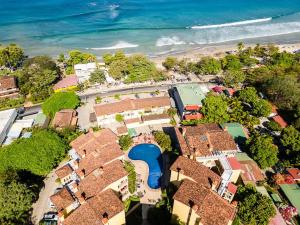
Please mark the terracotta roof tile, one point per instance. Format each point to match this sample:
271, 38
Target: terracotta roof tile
92, 213
100, 158
65, 118
155, 117
131, 104
64, 171
278, 119
100, 178
92, 141
295, 173
251, 173
7, 82
212, 208
62, 199
234, 163
122, 130
196, 171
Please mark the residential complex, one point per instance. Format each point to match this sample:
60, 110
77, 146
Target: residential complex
94, 181
130, 109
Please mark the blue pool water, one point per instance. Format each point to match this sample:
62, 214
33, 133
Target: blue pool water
152, 156
149, 26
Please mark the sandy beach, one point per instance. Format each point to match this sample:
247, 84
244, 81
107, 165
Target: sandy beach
215, 51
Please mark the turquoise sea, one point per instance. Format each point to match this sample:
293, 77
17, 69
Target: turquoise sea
149, 26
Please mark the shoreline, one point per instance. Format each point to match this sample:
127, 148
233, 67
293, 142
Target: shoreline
214, 51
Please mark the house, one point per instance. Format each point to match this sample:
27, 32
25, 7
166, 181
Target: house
184, 168
8, 87
197, 204
280, 121
7, 118
65, 118
110, 176
250, 172
83, 71
188, 98
205, 143
295, 173
130, 109
65, 174
85, 144
66, 84
104, 208
64, 201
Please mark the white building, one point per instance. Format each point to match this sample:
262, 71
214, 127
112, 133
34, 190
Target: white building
83, 71
130, 109
7, 117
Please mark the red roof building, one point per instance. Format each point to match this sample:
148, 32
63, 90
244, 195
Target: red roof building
67, 82
196, 116
278, 119
295, 173
234, 164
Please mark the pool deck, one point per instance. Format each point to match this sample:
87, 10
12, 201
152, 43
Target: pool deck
150, 196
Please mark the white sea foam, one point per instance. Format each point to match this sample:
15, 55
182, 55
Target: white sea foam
245, 22
164, 41
119, 45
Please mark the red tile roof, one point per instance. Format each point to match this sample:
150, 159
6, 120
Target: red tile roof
130, 105
192, 107
62, 199
235, 165
64, 171
211, 208
92, 141
232, 188
122, 130
65, 118
7, 82
278, 119
251, 173
196, 171
68, 81
100, 178
104, 205
196, 116
295, 173
155, 117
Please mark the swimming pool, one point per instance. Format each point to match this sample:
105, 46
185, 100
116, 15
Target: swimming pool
152, 156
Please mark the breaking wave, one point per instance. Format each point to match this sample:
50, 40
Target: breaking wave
165, 41
119, 45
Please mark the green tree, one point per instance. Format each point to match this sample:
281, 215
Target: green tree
163, 140
231, 62
118, 69
272, 125
233, 78
262, 149
11, 56
59, 101
208, 65
248, 95
253, 207
170, 63
38, 154
98, 76
125, 142
290, 139
15, 200
240, 46
261, 108
215, 109
77, 57
61, 58
119, 118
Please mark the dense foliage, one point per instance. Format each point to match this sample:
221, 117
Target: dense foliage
38, 154
125, 142
129, 167
262, 149
215, 109
135, 68
253, 207
15, 199
11, 56
290, 139
163, 140
97, 77
37, 77
77, 57
59, 101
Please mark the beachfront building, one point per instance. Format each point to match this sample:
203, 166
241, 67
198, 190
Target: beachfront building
131, 109
65, 118
7, 118
188, 99
83, 71
66, 84
8, 87
197, 204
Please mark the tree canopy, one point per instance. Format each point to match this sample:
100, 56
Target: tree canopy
262, 149
97, 77
59, 101
253, 207
11, 56
38, 154
215, 108
77, 57
125, 142
208, 65
290, 139
163, 140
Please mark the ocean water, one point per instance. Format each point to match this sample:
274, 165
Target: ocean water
150, 26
